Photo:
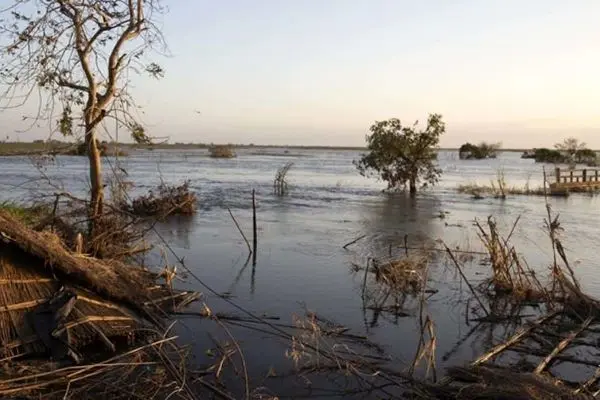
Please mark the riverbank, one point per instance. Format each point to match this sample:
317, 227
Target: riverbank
57, 147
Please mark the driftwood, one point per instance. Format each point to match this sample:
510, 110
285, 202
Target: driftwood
562, 345
513, 340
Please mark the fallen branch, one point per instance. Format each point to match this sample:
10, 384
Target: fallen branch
354, 241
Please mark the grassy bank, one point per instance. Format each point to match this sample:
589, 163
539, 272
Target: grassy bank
29, 215
52, 148
25, 148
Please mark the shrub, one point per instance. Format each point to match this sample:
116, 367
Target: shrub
545, 155
168, 200
470, 151
221, 151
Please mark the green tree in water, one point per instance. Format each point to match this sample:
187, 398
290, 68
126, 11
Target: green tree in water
403, 155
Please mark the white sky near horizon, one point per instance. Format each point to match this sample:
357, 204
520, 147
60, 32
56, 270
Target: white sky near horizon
319, 72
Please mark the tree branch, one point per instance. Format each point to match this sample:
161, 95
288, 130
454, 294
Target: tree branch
115, 59
63, 83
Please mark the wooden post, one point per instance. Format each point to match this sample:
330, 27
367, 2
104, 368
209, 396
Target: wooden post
254, 239
584, 173
557, 175
571, 176
596, 175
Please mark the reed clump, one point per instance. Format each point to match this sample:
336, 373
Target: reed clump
405, 274
511, 276
499, 190
280, 185
221, 151
165, 201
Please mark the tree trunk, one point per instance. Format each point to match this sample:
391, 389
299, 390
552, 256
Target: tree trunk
413, 187
97, 195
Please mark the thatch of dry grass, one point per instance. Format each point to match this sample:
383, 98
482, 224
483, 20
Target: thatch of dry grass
24, 287
58, 304
168, 200
113, 279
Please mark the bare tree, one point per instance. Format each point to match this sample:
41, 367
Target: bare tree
571, 147
77, 57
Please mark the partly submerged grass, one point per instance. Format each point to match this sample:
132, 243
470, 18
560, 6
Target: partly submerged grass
477, 190
167, 200
29, 215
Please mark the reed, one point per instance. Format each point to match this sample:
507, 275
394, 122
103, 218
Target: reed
280, 185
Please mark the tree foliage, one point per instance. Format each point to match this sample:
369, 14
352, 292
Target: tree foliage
481, 151
403, 155
570, 146
76, 58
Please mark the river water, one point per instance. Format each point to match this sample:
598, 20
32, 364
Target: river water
301, 263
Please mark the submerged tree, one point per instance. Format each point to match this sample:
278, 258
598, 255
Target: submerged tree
402, 155
483, 150
77, 57
572, 148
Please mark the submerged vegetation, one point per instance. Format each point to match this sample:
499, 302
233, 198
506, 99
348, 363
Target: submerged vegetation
280, 185
481, 151
167, 200
403, 155
221, 151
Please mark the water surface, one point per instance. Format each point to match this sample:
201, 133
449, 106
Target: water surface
301, 262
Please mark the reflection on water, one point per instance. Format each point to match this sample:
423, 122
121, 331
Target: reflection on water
301, 259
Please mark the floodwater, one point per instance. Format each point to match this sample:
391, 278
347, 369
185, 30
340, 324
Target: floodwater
301, 263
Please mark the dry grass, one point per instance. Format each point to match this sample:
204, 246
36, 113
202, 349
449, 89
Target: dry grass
92, 304
221, 151
499, 190
280, 185
167, 200
151, 371
512, 277
117, 281
510, 274
405, 274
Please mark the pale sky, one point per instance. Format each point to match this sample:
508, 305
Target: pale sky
319, 72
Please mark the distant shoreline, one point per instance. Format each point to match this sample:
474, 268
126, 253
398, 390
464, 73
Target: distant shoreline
32, 148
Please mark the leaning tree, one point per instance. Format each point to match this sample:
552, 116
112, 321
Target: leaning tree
75, 58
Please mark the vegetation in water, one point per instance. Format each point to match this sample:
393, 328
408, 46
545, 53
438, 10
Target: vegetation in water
569, 151
280, 185
221, 151
403, 155
481, 151
168, 200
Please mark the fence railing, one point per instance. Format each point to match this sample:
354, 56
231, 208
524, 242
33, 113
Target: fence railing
586, 175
